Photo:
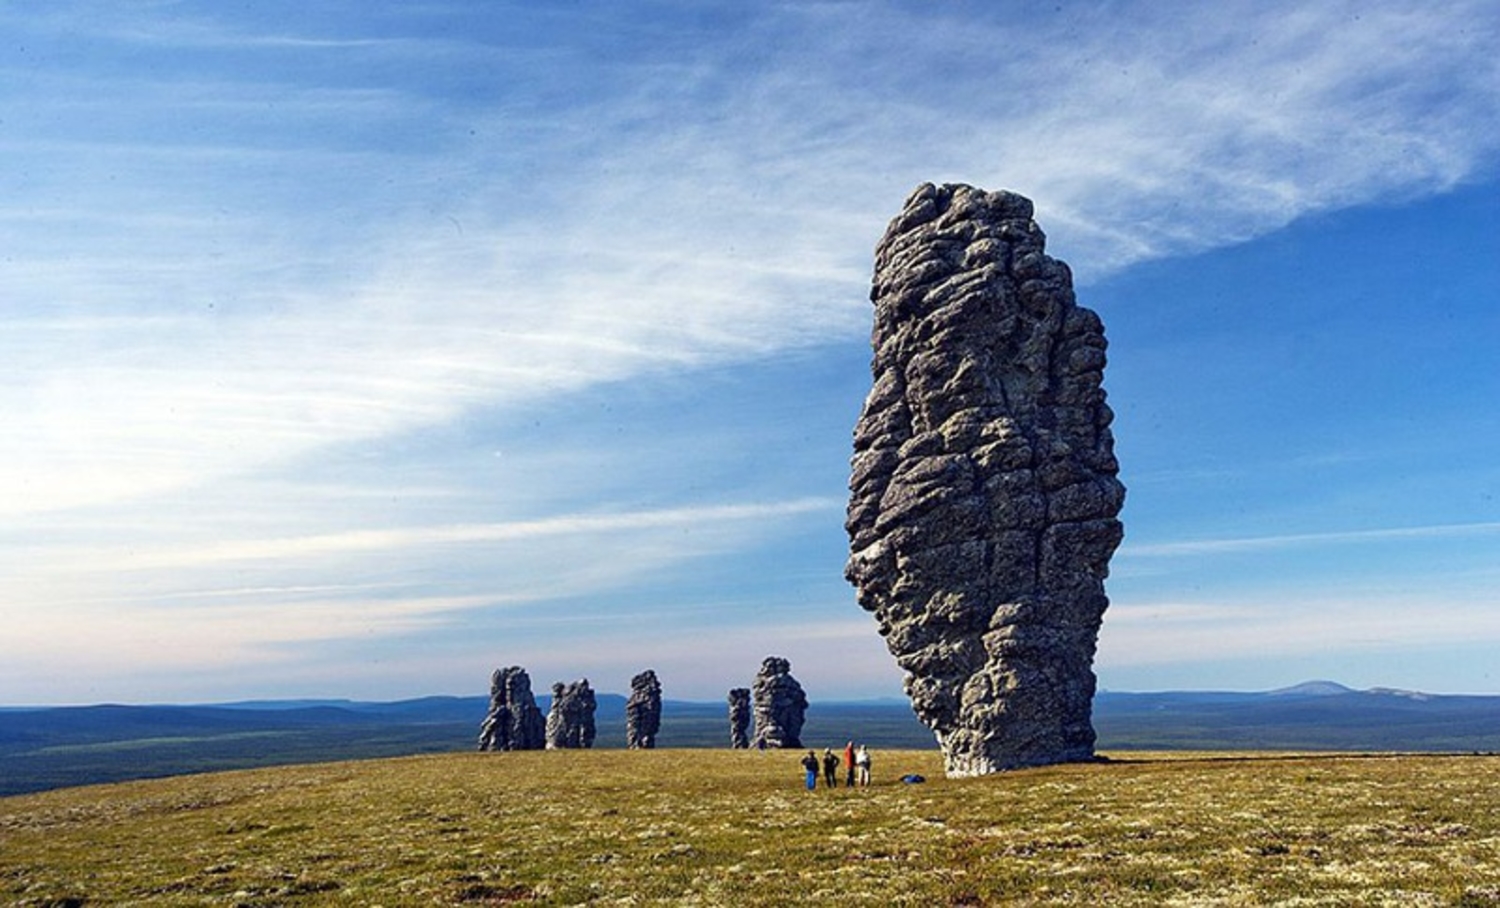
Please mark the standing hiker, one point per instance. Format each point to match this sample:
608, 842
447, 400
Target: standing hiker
830, 768
810, 763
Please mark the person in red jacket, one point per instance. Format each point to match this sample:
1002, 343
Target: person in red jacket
849, 764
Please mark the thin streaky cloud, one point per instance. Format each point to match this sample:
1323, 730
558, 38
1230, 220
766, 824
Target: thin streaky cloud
1170, 633
410, 538
369, 229
249, 593
230, 635
1295, 540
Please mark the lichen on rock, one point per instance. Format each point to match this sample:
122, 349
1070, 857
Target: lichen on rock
983, 487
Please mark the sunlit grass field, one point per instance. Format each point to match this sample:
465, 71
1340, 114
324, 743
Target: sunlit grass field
718, 827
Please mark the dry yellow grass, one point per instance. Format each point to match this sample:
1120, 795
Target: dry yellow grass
699, 827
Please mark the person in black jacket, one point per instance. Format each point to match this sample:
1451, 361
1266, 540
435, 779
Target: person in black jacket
830, 768
810, 763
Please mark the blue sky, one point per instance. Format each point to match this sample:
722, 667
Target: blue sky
354, 349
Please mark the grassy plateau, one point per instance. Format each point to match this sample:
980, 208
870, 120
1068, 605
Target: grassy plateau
718, 827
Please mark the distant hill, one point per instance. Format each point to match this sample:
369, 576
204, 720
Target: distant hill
1312, 689
64, 746
1313, 716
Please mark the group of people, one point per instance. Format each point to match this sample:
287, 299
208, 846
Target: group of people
856, 764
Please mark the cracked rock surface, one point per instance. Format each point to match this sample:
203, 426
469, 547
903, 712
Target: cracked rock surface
570, 721
514, 722
780, 704
983, 492
643, 711
739, 718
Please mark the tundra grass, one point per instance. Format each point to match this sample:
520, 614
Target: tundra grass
696, 827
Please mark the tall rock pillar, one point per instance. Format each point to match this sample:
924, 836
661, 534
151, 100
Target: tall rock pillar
780, 705
643, 711
514, 722
570, 721
983, 489
739, 718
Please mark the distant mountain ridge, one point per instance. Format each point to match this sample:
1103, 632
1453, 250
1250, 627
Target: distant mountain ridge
445, 703
1314, 715
51, 747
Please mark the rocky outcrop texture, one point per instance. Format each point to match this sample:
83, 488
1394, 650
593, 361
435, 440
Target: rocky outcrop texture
643, 711
983, 504
780, 705
514, 722
739, 717
570, 721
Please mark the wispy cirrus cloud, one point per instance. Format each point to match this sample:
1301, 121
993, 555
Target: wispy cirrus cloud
717, 211
1319, 623
1187, 548
286, 241
416, 538
257, 633
250, 604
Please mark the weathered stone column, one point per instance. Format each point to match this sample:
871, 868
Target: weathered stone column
514, 722
570, 721
643, 711
780, 705
739, 718
983, 490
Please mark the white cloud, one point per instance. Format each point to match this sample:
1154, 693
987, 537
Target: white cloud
228, 637
734, 228
1170, 132
1328, 626
706, 519
217, 277
170, 607
1302, 540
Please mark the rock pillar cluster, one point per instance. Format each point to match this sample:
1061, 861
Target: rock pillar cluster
643, 711
780, 705
984, 497
739, 718
513, 722
570, 721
